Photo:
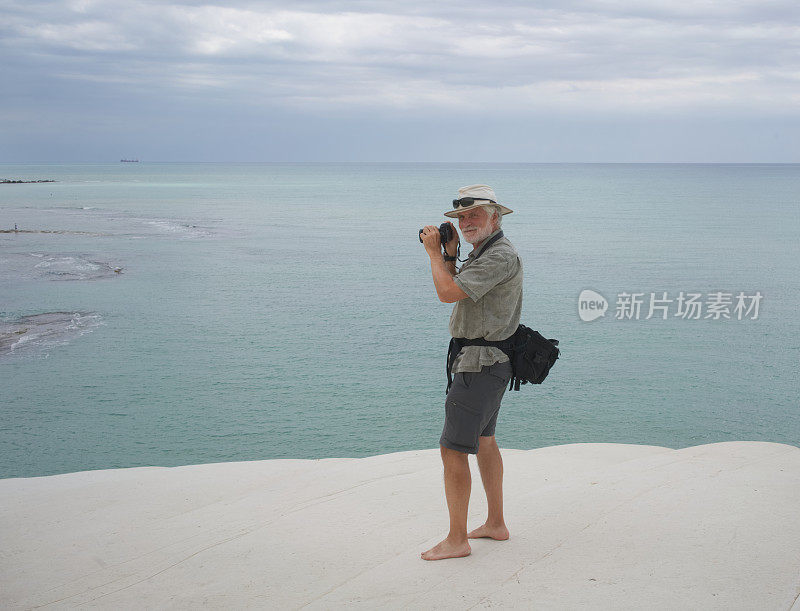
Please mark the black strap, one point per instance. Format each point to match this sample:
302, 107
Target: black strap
489, 242
483, 248
457, 343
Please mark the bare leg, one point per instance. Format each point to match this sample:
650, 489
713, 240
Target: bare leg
490, 464
457, 487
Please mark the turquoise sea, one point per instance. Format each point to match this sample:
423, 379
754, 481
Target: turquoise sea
169, 314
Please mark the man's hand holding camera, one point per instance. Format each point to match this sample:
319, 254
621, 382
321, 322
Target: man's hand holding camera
432, 236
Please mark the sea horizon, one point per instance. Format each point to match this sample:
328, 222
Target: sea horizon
407, 162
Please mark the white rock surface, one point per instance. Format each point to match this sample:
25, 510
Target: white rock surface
595, 526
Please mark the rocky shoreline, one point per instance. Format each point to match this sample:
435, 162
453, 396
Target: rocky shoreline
7, 181
59, 231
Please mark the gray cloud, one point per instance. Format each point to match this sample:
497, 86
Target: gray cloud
611, 58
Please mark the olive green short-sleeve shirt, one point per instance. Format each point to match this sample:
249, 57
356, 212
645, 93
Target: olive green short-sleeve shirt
493, 307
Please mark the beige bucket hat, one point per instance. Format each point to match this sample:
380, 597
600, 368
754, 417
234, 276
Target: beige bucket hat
473, 196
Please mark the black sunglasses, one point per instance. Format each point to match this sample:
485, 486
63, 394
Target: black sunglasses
466, 202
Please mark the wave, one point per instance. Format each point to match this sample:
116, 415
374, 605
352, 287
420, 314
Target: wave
178, 228
74, 267
55, 266
37, 332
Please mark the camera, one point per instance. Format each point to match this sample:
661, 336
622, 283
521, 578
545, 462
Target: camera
445, 233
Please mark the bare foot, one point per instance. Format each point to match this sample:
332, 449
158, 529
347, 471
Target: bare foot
447, 549
493, 532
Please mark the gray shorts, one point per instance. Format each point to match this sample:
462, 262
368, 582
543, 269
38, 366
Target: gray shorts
472, 405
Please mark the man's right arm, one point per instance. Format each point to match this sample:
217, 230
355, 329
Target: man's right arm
446, 288
443, 271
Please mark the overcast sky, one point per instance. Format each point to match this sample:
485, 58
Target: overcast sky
574, 81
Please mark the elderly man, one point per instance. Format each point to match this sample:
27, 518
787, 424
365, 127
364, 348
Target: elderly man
487, 292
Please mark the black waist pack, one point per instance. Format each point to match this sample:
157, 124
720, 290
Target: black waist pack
532, 356
530, 353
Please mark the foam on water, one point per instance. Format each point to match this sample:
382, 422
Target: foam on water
66, 267
180, 229
37, 333
55, 266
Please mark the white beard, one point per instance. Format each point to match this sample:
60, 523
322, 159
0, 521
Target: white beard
481, 234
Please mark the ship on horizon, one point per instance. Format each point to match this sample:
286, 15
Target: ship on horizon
129, 161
